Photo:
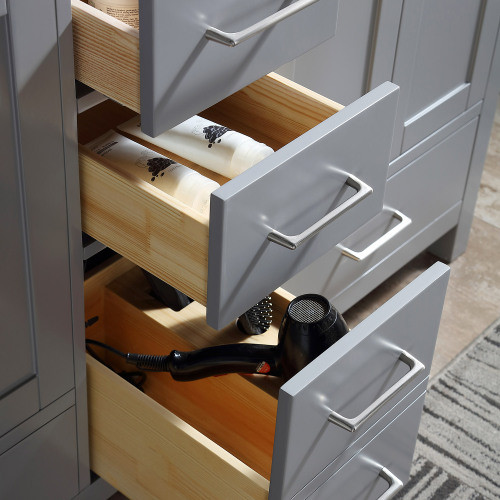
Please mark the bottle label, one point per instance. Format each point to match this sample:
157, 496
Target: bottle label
124, 13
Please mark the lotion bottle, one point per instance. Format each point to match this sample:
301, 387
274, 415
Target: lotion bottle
206, 143
175, 179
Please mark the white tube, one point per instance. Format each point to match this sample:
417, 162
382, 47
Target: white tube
124, 10
206, 143
175, 179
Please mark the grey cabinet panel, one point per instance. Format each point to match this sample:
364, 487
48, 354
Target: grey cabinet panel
338, 67
44, 464
349, 377
391, 449
289, 192
38, 88
443, 54
182, 72
17, 360
439, 177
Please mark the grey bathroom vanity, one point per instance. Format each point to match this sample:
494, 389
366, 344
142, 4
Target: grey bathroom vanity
379, 114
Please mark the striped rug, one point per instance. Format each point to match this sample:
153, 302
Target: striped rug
458, 448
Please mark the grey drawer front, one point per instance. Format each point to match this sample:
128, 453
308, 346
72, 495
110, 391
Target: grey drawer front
349, 377
290, 191
424, 190
182, 72
393, 449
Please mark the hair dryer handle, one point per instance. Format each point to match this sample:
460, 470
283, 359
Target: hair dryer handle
219, 360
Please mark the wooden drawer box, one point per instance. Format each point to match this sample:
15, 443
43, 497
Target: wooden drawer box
174, 70
226, 436
229, 261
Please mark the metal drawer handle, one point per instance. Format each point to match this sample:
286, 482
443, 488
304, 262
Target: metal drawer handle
395, 484
363, 254
292, 242
352, 424
233, 39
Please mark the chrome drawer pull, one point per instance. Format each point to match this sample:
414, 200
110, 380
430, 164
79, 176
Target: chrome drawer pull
352, 424
233, 39
292, 242
395, 484
370, 249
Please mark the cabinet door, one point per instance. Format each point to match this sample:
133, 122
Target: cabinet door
18, 386
443, 57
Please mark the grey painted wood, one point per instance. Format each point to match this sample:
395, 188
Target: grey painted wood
444, 49
18, 389
434, 139
393, 448
338, 67
19, 404
360, 443
97, 490
38, 87
455, 242
182, 72
385, 40
289, 191
349, 376
74, 231
439, 177
38, 420
44, 464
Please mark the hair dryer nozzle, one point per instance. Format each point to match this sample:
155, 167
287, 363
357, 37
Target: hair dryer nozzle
310, 326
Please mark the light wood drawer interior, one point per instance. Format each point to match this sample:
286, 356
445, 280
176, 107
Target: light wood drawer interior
198, 439
155, 230
216, 435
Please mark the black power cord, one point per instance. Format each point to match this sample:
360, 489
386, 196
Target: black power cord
136, 378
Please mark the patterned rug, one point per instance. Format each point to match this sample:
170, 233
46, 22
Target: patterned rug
458, 448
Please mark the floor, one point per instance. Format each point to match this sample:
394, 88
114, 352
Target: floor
473, 298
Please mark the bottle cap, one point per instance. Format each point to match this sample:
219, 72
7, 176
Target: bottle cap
247, 154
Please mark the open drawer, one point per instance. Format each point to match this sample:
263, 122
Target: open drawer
229, 436
181, 68
326, 178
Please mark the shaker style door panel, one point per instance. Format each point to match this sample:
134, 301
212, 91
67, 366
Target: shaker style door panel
437, 82
18, 387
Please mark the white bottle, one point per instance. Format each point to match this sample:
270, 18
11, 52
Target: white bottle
124, 10
175, 179
206, 143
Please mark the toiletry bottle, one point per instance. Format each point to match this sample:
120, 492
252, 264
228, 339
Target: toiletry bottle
175, 179
206, 143
124, 10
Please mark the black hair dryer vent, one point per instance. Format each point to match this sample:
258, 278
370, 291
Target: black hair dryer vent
309, 327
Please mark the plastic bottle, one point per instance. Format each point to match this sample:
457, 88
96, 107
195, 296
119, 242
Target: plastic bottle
206, 143
175, 179
124, 10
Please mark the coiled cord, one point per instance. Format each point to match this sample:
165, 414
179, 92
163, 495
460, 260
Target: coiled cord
149, 362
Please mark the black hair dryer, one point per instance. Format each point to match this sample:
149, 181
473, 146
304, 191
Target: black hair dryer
309, 327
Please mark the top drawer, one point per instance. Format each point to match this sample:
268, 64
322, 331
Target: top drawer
182, 70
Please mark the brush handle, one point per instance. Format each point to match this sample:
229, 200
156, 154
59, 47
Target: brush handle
219, 360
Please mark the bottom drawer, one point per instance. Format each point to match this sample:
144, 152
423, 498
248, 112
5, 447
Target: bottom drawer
238, 436
381, 468
415, 198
